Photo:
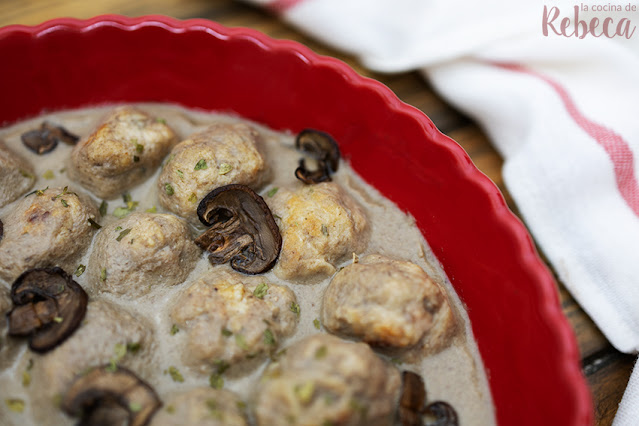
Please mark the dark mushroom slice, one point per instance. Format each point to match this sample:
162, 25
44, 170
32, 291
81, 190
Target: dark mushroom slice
440, 413
412, 399
46, 138
242, 229
321, 147
48, 306
103, 393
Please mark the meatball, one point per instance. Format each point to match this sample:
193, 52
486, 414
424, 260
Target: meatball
141, 251
48, 228
229, 317
320, 225
109, 334
388, 302
220, 155
124, 151
16, 175
202, 407
326, 380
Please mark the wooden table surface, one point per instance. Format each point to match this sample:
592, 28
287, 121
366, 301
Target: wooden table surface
606, 369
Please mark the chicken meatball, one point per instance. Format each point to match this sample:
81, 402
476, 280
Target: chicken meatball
320, 224
202, 407
229, 317
141, 251
124, 151
48, 228
109, 334
220, 155
326, 380
16, 175
388, 302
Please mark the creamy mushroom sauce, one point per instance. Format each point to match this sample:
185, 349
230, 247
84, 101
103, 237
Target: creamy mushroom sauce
455, 375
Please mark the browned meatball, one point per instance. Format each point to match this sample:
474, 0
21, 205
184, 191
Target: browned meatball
109, 333
16, 175
202, 407
144, 250
229, 317
320, 224
388, 302
47, 228
124, 151
220, 155
326, 380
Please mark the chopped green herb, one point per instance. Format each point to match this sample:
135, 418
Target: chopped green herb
126, 197
123, 234
139, 148
58, 319
358, 406
397, 361
94, 224
241, 342
226, 332
168, 189
160, 120
269, 339
57, 400
133, 347
112, 367
136, 159
305, 392
221, 366
152, 210
316, 323
324, 230
168, 160
64, 202
103, 208
174, 329
117, 228
272, 191
16, 405
80, 270
120, 212
277, 216
295, 308
260, 291
193, 198
28, 175
103, 274
180, 173
135, 407
224, 168
38, 192
26, 378
62, 170
48, 174
201, 165
215, 412
30, 364
321, 352
216, 381
170, 409
175, 374
241, 405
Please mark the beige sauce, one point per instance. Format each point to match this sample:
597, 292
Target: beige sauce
455, 375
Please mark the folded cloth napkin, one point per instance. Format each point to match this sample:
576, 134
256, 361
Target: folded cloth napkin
560, 109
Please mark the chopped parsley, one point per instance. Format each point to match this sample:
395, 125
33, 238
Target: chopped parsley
170, 409
174, 329
103, 274
133, 347
201, 165
139, 148
269, 339
80, 270
160, 120
58, 319
260, 291
152, 210
321, 352
135, 407
241, 342
224, 168
316, 323
226, 332
48, 174
193, 197
126, 197
295, 308
272, 192
168, 189
136, 159
304, 392
216, 381
64, 202
123, 234
94, 224
175, 374
103, 208
324, 230
15, 404
180, 173
26, 378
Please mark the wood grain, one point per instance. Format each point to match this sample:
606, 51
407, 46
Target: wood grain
606, 369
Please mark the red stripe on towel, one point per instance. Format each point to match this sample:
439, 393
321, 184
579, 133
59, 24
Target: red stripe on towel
615, 146
281, 6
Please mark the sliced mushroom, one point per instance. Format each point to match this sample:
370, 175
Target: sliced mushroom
322, 148
46, 138
48, 306
103, 393
242, 229
412, 399
440, 413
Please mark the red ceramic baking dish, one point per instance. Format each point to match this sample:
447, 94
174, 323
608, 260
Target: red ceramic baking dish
526, 343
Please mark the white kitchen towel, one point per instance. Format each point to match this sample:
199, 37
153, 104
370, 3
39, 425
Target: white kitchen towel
560, 108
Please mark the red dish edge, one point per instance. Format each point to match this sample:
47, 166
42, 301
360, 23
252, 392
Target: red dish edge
570, 378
